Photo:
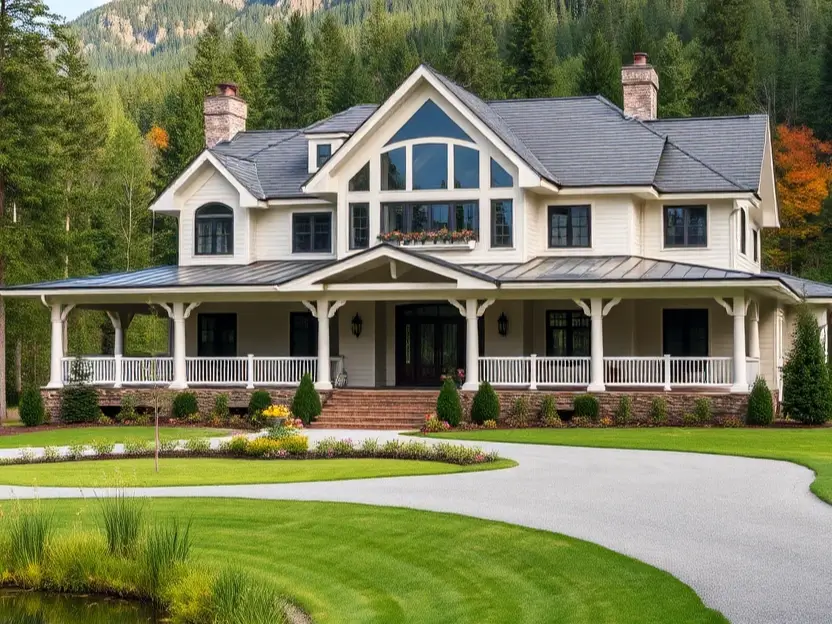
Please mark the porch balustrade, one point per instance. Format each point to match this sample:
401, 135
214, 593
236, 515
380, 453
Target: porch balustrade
249, 371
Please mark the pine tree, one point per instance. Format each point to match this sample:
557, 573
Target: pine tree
387, 54
725, 72
473, 58
636, 40
823, 94
807, 396
331, 57
250, 78
295, 87
530, 56
675, 69
273, 108
600, 74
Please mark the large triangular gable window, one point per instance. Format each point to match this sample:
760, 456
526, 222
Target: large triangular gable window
429, 121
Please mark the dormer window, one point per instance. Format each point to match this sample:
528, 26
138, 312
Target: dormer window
214, 230
323, 153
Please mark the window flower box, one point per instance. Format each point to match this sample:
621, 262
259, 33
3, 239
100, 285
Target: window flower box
431, 239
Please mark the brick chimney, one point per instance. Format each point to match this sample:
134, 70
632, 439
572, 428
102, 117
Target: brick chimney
224, 114
641, 88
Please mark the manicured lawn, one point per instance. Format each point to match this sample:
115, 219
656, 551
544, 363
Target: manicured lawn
188, 471
357, 564
809, 447
84, 435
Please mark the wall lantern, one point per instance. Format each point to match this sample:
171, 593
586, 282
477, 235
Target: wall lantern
502, 324
357, 325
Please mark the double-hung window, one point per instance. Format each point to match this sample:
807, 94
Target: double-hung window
567, 333
569, 226
685, 226
312, 232
214, 230
359, 225
502, 223
323, 153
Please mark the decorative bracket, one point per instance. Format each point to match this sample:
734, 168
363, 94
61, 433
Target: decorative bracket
167, 309
335, 307
729, 308
583, 306
610, 305
191, 308
487, 304
65, 312
393, 272
458, 306
311, 307
115, 319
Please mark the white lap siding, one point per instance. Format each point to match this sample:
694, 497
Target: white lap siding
359, 353
649, 319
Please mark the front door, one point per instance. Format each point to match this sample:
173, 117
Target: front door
430, 342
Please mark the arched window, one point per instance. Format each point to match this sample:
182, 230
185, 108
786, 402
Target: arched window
214, 230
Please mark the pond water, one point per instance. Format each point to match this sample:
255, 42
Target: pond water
26, 607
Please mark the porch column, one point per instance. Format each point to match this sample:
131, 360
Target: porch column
324, 381
472, 346
57, 348
596, 365
740, 377
118, 346
179, 313
754, 331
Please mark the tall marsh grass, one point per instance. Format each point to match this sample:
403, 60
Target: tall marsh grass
165, 546
122, 518
30, 529
237, 598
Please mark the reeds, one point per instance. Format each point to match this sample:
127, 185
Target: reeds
30, 529
122, 517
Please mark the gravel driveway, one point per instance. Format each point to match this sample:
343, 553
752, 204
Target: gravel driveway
745, 534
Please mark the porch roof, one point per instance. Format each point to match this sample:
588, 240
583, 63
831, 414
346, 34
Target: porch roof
540, 270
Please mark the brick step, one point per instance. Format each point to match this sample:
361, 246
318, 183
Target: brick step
363, 425
349, 415
368, 405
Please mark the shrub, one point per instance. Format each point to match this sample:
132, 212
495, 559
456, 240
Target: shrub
51, 453
137, 447
658, 411
586, 406
32, 412
306, 404
102, 447
689, 419
760, 405
122, 517
624, 411
295, 445
168, 445
548, 408
143, 420
581, 421
76, 451
128, 408
806, 390
79, 404
237, 445
486, 404
490, 424
448, 406
198, 445
221, 409
184, 405
236, 598
519, 414
259, 402
731, 422
166, 545
29, 533
702, 411
434, 425
105, 421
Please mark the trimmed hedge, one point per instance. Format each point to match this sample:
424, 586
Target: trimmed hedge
806, 390
448, 405
32, 412
259, 402
79, 404
760, 405
486, 404
586, 406
184, 405
306, 404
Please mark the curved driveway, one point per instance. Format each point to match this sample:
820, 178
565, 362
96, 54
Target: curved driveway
745, 534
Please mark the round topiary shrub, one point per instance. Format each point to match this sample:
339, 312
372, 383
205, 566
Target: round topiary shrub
806, 390
184, 405
79, 404
486, 404
760, 405
448, 406
32, 412
586, 406
306, 404
259, 401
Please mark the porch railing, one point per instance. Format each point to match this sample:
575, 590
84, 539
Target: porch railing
249, 371
661, 371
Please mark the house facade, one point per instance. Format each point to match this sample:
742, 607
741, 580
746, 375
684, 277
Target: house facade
535, 244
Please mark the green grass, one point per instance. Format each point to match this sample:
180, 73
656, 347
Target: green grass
191, 471
809, 447
355, 564
84, 435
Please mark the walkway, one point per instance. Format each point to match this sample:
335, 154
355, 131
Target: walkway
745, 534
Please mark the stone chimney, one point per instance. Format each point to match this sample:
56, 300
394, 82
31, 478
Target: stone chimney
641, 88
224, 114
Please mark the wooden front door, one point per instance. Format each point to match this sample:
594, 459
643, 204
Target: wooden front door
430, 342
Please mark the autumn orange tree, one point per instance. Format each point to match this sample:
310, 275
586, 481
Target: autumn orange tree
802, 164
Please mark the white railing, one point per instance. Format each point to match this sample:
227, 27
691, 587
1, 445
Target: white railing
662, 371
249, 371
752, 369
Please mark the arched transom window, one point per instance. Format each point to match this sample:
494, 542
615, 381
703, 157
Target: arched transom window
214, 230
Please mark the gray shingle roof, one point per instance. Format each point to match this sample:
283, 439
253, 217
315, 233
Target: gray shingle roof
803, 287
580, 141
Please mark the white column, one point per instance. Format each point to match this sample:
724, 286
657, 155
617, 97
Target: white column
738, 312
596, 368
472, 346
324, 381
754, 332
57, 348
180, 370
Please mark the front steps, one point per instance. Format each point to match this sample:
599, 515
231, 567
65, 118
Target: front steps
376, 409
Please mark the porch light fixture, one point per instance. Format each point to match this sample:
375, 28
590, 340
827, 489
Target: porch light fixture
502, 324
357, 325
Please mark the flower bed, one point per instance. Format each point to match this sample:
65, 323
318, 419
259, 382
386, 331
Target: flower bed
442, 235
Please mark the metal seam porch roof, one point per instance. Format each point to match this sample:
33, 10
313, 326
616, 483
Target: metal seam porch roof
540, 270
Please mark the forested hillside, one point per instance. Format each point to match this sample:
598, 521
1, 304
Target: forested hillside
96, 118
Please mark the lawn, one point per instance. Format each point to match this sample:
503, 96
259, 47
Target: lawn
355, 564
809, 447
20, 438
191, 471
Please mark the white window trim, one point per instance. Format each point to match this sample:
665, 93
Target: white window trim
688, 249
